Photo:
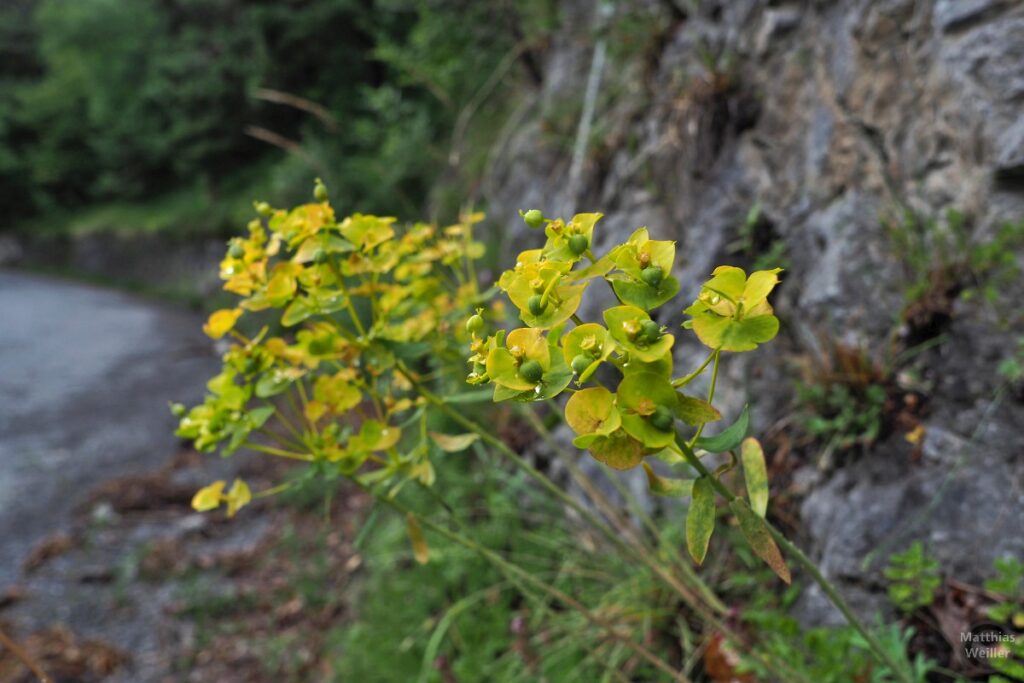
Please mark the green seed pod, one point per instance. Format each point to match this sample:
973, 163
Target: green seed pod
475, 324
578, 244
263, 209
534, 218
652, 275
320, 191
320, 346
536, 304
650, 331
531, 371
661, 419
580, 363
236, 251
178, 410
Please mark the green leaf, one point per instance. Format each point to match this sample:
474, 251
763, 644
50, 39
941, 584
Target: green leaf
695, 411
642, 295
638, 396
728, 334
664, 486
592, 411
259, 416
469, 397
271, 384
729, 438
420, 550
453, 443
661, 366
755, 530
755, 474
297, 311
618, 450
700, 520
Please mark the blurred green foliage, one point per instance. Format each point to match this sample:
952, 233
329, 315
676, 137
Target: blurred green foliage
126, 100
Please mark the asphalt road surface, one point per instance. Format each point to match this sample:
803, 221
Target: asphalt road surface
85, 377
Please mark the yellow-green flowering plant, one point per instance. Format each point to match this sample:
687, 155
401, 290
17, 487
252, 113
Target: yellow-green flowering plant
336, 307
648, 413
349, 337
639, 408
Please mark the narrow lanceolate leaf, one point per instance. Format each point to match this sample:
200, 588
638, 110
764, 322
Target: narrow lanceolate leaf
755, 530
756, 474
695, 411
663, 486
700, 520
729, 438
453, 443
419, 544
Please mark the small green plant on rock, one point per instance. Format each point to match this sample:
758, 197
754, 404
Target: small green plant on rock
913, 578
945, 261
842, 399
1008, 611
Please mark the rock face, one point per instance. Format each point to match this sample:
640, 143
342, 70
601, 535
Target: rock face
833, 118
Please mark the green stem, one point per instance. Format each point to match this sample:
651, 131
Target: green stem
667, 578
631, 503
348, 300
553, 488
804, 561
292, 455
716, 355
683, 381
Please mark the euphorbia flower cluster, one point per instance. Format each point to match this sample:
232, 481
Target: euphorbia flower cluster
647, 413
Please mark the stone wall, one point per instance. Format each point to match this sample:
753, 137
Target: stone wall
833, 117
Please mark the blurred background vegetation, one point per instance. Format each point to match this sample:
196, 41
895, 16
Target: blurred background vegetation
193, 108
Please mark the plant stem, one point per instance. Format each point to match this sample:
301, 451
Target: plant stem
601, 501
669, 580
683, 381
806, 562
279, 452
716, 355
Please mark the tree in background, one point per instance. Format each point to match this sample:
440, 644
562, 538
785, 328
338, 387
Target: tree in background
129, 99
